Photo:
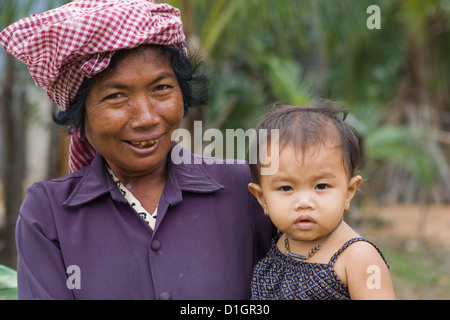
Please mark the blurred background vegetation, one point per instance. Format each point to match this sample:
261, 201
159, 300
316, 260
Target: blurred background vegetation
394, 80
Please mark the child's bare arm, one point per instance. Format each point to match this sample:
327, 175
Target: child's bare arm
366, 273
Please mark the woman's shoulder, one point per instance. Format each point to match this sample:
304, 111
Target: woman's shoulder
55, 190
69, 178
232, 170
235, 169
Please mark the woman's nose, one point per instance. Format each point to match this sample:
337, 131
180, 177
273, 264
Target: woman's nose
144, 114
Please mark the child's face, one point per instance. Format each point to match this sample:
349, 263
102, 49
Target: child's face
307, 197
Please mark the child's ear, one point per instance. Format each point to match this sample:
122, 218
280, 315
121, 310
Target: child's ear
353, 186
255, 189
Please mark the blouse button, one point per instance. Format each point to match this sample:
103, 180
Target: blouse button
165, 296
155, 245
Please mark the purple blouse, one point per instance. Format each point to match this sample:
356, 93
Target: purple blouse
78, 238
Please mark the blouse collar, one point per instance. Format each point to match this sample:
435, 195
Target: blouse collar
191, 176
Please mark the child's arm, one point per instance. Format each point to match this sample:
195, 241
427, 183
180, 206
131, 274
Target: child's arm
367, 275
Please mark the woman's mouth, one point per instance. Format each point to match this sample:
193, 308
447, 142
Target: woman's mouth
144, 144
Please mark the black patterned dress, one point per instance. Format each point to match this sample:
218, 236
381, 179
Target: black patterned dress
280, 277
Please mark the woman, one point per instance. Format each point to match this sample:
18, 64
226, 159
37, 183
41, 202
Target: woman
127, 223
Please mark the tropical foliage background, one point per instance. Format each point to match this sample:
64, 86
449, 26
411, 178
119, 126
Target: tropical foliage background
395, 81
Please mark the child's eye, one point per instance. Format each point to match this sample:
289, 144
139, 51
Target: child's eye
322, 186
285, 188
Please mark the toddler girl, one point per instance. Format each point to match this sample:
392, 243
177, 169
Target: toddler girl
315, 255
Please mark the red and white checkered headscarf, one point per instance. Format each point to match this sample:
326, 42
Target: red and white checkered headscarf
62, 46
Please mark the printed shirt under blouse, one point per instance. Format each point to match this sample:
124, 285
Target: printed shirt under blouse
134, 203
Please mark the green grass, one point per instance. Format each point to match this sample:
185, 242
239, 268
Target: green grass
420, 270
414, 269
8, 283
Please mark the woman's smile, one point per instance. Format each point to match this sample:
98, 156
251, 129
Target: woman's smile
144, 144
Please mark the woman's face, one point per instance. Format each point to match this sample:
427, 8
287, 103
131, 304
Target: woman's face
131, 112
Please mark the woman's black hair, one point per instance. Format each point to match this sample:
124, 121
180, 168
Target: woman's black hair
193, 85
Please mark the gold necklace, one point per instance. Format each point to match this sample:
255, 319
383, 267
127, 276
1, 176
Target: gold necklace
312, 251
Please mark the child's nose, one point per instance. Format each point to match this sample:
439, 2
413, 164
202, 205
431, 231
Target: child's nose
304, 201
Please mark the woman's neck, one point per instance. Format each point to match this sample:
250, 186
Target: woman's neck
146, 186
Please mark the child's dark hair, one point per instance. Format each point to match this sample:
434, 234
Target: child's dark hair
306, 126
193, 85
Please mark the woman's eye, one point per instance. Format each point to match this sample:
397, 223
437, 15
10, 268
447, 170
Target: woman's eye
322, 186
113, 96
161, 87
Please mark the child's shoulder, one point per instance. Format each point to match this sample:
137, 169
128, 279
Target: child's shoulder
360, 251
355, 248
356, 256
363, 268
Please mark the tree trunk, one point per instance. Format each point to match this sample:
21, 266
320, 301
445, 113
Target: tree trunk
58, 155
13, 126
419, 105
196, 113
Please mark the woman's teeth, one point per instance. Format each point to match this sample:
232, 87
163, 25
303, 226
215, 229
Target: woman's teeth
145, 144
